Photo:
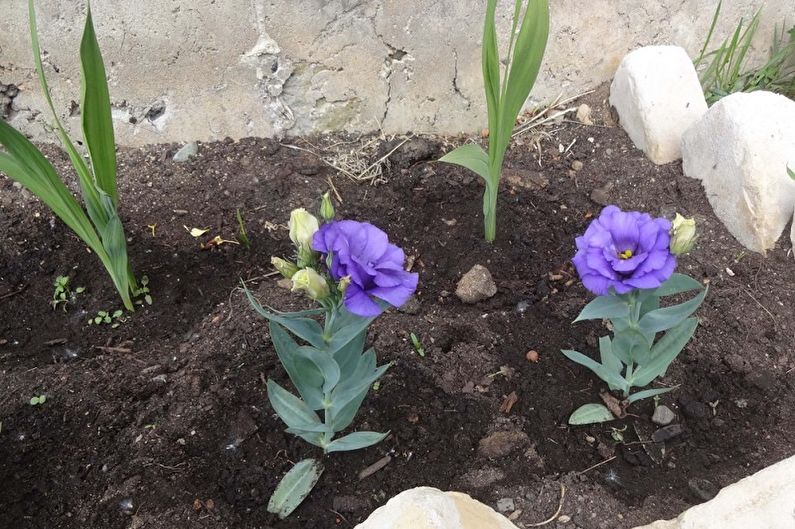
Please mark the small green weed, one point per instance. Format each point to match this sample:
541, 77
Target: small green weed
38, 400
114, 319
63, 292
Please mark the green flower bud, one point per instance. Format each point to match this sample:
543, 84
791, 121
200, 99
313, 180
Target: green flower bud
343, 284
309, 281
327, 208
683, 235
286, 268
303, 226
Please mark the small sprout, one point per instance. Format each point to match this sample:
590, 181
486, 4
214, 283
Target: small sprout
376, 385
242, 234
113, 319
63, 292
218, 241
38, 400
143, 289
618, 434
152, 228
417, 345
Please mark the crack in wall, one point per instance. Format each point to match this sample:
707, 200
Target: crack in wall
456, 88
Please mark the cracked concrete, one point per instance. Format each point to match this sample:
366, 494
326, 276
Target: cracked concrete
287, 67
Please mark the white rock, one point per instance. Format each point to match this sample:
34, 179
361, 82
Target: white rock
186, 152
740, 151
765, 500
428, 508
476, 285
658, 96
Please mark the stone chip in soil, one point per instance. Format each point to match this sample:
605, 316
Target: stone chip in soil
476, 285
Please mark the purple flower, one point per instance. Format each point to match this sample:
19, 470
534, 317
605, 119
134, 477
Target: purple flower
624, 251
375, 267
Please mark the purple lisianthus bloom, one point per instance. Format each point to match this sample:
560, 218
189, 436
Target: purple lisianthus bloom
362, 252
624, 250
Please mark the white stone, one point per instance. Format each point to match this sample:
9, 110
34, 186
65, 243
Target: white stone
740, 151
429, 508
657, 95
765, 500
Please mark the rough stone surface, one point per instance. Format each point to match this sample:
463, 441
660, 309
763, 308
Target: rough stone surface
428, 508
205, 70
663, 415
501, 444
186, 152
765, 500
740, 151
658, 96
476, 285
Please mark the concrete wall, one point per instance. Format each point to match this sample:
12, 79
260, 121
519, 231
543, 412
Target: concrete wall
206, 69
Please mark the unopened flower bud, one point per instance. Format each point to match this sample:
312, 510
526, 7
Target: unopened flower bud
303, 226
309, 281
286, 268
327, 207
343, 284
683, 235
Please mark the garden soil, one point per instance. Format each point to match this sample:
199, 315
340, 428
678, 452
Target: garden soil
163, 421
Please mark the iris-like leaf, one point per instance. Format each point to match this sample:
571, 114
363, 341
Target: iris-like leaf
95, 112
664, 352
590, 414
355, 441
294, 487
604, 307
472, 157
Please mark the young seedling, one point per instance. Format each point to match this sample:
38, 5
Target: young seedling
242, 234
38, 400
63, 292
415, 341
143, 290
114, 319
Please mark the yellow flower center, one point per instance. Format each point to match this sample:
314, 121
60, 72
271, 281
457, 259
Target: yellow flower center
626, 254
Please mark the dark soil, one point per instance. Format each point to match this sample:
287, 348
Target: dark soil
163, 422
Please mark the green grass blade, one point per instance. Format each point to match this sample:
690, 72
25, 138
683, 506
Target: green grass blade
96, 112
85, 178
714, 23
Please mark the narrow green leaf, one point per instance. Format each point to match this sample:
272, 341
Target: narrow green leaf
95, 112
791, 173
294, 487
355, 441
613, 379
115, 244
604, 307
645, 394
664, 352
490, 63
669, 317
472, 157
292, 410
590, 414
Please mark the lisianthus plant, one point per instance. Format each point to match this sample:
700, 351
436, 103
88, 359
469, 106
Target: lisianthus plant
354, 273
628, 260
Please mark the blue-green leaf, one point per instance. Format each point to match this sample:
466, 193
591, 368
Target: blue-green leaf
645, 394
294, 487
630, 345
352, 329
669, 317
306, 377
613, 379
347, 357
341, 418
305, 328
604, 307
664, 352
609, 360
325, 363
676, 284
292, 410
470, 156
590, 414
355, 441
